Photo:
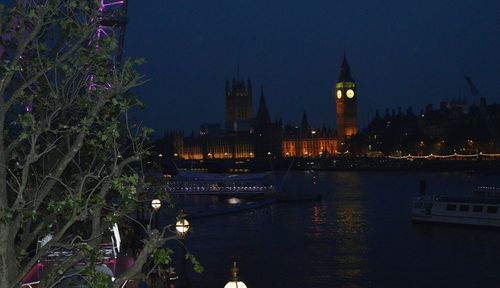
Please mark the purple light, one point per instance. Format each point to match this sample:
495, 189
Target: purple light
103, 4
28, 107
92, 84
100, 31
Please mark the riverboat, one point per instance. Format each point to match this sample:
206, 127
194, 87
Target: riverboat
195, 183
479, 209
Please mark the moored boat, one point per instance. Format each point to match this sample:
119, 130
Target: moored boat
221, 184
482, 208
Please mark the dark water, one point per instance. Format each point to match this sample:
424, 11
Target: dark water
359, 235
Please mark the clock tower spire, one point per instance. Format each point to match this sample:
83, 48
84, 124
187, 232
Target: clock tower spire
346, 102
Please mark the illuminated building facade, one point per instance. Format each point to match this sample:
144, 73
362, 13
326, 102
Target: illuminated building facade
454, 128
305, 141
248, 136
308, 142
244, 136
346, 102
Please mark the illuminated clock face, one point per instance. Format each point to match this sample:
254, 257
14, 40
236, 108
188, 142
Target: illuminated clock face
350, 93
339, 94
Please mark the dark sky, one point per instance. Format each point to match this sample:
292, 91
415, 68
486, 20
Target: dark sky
401, 53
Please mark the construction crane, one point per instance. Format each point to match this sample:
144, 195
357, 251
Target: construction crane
473, 89
483, 112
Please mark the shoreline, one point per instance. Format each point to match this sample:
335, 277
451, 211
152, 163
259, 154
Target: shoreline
475, 166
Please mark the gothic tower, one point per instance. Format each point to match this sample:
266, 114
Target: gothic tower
346, 102
263, 129
238, 105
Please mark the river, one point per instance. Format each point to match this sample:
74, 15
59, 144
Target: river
359, 235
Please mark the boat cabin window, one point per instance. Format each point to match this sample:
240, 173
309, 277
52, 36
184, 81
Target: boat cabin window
464, 208
477, 209
451, 207
492, 209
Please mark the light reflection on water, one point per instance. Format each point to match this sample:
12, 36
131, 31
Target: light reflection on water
359, 235
350, 229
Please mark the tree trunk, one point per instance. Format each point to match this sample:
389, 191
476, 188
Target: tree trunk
7, 258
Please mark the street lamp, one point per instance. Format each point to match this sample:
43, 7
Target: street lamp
156, 205
172, 277
235, 279
182, 227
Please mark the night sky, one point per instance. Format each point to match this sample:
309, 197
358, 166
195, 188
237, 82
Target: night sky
401, 53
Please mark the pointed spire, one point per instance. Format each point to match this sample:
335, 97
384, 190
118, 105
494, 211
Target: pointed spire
263, 114
305, 123
345, 71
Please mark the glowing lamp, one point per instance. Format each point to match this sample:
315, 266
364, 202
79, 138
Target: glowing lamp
156, 204
234, 201
235, 280
182, 226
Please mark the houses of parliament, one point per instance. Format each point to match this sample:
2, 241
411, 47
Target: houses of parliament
246, 134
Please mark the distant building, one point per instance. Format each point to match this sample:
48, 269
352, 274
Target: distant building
238, 105
268, 136
346, 102
396, 133
452, 128
249, 136
304, 141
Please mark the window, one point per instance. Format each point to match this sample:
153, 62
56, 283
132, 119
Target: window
464, 208
477, 209
492, 209
451, 207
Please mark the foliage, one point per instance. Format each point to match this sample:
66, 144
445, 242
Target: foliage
196, 265
67, 147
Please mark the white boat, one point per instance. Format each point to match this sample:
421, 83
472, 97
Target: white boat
482, 208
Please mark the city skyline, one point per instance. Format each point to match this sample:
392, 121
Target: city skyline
400, 55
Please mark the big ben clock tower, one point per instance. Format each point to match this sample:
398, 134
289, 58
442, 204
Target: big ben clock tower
346, 102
